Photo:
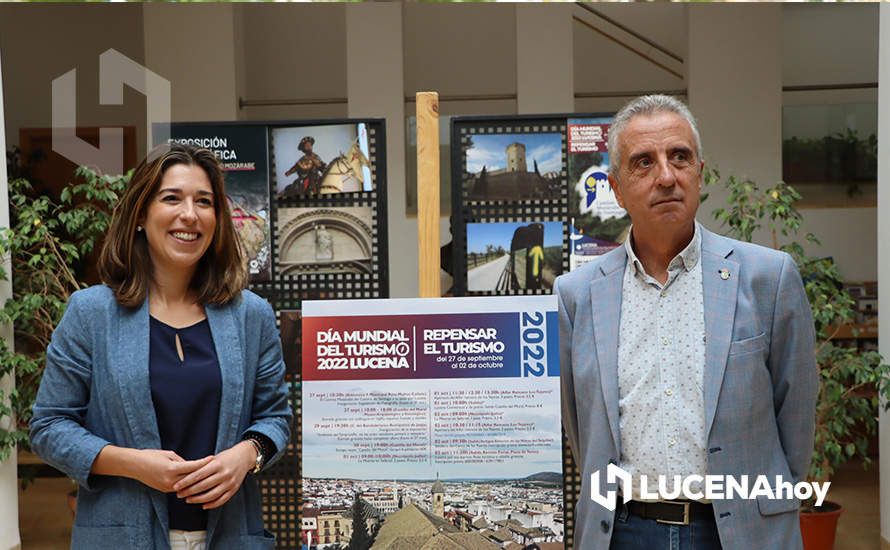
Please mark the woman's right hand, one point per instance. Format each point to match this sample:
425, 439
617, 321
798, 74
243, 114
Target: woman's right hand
161, 469
156, 468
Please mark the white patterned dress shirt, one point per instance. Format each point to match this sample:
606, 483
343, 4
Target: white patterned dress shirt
661, 357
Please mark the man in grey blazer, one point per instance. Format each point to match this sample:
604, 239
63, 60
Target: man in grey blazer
683, 353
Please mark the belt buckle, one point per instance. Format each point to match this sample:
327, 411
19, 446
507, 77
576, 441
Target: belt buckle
685, 506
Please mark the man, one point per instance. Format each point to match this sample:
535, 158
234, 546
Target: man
683, 352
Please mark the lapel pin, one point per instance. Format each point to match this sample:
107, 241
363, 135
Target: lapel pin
724, 274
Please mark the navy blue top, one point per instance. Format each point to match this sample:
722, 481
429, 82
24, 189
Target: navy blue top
186, 395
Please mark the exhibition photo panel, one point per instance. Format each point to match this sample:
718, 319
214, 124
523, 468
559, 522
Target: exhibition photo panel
321, 160
507, 256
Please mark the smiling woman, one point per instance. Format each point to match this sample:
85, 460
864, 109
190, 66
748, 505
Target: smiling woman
181, 190
180, 221
163, 387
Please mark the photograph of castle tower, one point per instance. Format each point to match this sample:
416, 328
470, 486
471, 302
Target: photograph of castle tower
507, 167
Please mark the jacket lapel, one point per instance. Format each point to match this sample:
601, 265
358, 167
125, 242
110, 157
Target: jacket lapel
130, 363
719, 295
132, 356
605, 303
227, 342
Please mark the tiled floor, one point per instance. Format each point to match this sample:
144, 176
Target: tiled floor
44, 518
46, 522
856, 490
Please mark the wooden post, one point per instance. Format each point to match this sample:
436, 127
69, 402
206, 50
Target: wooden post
428, 194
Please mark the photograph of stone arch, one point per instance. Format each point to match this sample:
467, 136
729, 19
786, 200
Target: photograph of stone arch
321, 160
325, 240
513, 166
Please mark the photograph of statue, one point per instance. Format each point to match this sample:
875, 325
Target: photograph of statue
513, 166
309, 170
321, 160
325, 240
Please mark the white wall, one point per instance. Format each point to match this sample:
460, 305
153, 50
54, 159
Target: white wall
294, 52
460, 48
739, 118
544, 48
601, 65
741, 124
829, 43
41, 42
200, 66
374, 55
883, 254
299, 51
9, 505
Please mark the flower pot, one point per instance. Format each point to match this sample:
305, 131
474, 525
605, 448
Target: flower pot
818, 527
72, 502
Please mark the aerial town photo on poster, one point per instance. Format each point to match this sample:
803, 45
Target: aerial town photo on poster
472, 514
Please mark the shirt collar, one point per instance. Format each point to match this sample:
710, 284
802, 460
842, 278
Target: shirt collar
689, 256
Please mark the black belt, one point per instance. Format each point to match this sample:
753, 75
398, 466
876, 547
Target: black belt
675, 512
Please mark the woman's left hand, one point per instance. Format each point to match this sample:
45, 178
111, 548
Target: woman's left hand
215, 483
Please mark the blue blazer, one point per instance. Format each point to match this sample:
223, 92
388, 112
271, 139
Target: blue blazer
95, 391
760, 383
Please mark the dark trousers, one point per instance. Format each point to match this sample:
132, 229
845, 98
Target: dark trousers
632, 532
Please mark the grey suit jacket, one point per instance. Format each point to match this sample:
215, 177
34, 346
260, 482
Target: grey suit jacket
760, 384
95, 391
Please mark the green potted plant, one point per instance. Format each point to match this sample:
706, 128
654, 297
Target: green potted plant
852, 382
47, 245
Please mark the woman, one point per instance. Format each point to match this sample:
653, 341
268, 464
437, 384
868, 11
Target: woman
163, 387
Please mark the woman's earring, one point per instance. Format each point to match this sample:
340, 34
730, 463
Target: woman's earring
138, 228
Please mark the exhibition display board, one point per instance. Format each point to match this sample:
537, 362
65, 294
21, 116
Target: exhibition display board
308, 200
531, 200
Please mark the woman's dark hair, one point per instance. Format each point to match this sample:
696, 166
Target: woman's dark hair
124, 263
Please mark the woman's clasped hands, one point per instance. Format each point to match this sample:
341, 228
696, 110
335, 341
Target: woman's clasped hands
210, 481
216, 478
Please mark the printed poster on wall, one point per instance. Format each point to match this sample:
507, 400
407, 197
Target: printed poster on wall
438, 410
244, 154
598, 223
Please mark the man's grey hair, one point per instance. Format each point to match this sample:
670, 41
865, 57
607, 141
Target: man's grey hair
647, 105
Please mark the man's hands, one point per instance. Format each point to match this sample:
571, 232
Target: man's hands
219, 478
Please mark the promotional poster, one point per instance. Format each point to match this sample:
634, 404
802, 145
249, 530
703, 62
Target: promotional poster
243, 152
447, 410
598, 223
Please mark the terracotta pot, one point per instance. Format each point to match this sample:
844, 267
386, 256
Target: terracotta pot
72, 502
818, 527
